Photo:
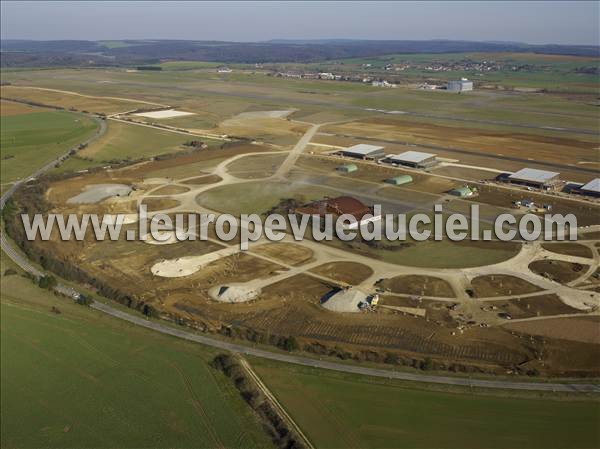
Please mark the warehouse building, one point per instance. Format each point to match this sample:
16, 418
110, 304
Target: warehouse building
463, 85
399, 180
532, 177
364, 151
592, 188
348, 168
413, 159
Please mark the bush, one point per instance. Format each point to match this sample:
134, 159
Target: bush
84, 300
47, 282
290, 344
427, 364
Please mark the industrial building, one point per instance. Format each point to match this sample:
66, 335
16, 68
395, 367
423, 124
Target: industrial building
364, 151
414, 159
463, 85
348, 168
399, 180
591, 188
532, 177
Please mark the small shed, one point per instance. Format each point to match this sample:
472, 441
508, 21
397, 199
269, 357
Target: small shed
462, 192
347, 168
399, 180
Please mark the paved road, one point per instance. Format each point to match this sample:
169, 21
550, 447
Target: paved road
293, 156
141, 321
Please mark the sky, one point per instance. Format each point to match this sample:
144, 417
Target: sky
537, 22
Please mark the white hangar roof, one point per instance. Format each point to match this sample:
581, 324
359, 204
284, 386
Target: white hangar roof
534, 175
592, 186
363, 149
412, 156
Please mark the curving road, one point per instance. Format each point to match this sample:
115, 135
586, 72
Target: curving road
287, 358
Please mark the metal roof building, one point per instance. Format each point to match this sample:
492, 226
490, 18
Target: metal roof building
415, 159
591, 188
534, 177
364, 151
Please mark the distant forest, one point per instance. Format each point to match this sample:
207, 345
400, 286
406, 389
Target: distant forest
19, 53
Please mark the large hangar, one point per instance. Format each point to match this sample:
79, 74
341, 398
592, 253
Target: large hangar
414, 159
533, 177
364, 151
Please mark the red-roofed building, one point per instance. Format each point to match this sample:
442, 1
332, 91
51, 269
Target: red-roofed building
340, 205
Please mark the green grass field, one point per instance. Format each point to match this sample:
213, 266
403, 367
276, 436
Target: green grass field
124, 141
30, 140
81, 379
339, 410
257, 197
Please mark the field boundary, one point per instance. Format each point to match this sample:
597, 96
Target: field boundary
274, 402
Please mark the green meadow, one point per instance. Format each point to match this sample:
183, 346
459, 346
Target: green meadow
342, 410
81, 379
30, 140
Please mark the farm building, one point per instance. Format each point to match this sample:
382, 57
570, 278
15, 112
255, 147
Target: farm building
414, 159
341, 205
348, 168
591, 188
364, 151
462, 192
399, 180
462, 85
534, 178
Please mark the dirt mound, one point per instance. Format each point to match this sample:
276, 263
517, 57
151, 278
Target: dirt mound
233, 293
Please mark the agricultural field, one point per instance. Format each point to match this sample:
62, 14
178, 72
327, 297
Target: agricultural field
34, 136
358, 412
77, 378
